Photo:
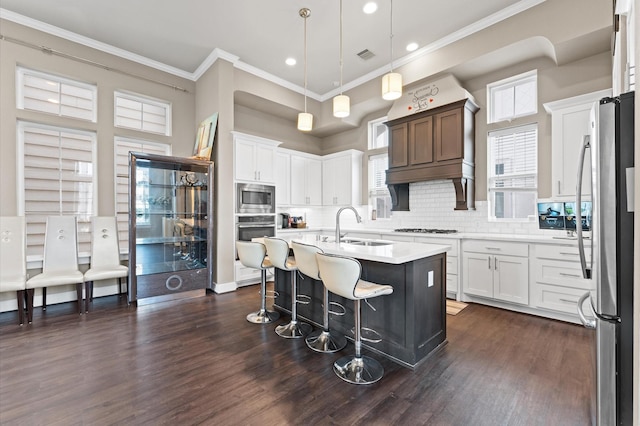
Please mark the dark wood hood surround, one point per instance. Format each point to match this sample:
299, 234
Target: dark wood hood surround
432, 145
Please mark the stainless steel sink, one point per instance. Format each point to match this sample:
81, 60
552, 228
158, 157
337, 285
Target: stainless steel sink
365, 242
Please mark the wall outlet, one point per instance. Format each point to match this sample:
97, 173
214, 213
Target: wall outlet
430, 282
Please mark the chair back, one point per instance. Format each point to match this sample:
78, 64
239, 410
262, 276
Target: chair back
340, 274
105, 248
251, 254
305, 255
13, 258
278, 252
60, 244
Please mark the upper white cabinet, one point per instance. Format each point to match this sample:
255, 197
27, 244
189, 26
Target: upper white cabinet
342, 178
254, 158
569, 124
283, 178
306, 180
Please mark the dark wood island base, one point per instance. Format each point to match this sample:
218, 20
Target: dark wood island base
411, 321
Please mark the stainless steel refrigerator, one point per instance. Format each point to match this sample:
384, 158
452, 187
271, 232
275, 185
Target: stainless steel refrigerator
610, 267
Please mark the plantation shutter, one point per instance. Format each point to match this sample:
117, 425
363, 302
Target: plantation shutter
378, 165
134, 112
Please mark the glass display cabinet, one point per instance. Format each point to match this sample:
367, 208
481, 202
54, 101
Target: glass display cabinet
170, 226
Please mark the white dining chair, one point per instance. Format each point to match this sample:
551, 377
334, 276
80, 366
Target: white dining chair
60, 262
105, 256
13, 259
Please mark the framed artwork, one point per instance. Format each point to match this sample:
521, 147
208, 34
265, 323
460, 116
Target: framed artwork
205, 137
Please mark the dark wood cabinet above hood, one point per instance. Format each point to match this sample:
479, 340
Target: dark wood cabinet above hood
432, 145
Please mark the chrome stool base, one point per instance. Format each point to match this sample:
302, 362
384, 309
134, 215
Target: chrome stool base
358, 370
263, 316
326, 341
294, 330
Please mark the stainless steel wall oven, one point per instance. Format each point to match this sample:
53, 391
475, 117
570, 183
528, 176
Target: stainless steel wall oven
255, 226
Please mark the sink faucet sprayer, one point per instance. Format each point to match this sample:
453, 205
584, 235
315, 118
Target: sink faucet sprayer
358, 218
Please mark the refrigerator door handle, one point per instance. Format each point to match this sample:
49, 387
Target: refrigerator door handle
586, 143
587, 322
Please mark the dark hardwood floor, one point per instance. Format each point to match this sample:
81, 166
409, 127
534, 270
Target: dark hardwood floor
198, 361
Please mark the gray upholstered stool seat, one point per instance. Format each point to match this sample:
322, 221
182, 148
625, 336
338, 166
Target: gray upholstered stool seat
278, 252
322, 340
253, 255
341, 275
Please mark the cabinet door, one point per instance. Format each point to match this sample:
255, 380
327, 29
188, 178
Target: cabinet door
398, 146
314, 182
244, 160
511, 279
478, 274
329, 182
448, 135
336, 181
421, 141
283, 179
264, 159
298, 180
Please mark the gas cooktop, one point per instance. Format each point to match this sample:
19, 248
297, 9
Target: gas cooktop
426, 230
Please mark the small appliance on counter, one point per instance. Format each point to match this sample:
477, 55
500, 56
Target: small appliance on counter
284, 220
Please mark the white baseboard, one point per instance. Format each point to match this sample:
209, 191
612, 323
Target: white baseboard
224, 287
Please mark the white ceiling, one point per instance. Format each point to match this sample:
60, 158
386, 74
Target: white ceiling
182, 37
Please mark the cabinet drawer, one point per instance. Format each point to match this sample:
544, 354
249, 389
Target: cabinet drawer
403, 238
555, 298
452, 265
170, 282
555, 252
244, 273
452, 243
496, 247
567, 274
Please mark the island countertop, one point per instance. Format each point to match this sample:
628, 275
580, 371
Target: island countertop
395, 252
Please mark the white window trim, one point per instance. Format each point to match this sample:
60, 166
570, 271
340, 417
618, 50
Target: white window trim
145, 100
510, 82
20, 76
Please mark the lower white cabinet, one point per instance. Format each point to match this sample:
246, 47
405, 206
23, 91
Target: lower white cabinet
246, 276
497, 270
452, 260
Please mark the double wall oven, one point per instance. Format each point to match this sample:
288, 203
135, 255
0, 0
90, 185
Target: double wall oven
255, 211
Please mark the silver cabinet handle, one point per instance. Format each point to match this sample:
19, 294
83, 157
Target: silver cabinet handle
564, 253
567, 301
564, 274
493, 248
489, 260
559, 191
495, 263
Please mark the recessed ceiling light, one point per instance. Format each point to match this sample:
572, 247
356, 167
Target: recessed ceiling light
370, 7
412, 46
290, 61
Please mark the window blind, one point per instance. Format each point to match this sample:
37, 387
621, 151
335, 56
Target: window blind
139, 113
58, 179
378, 165
55, 95
122, 147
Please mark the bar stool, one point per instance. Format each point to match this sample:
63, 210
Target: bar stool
278, 252
320, 340
254, 255
341, 275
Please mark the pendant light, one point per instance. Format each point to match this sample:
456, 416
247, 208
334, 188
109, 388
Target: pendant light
305, 119
341, 107
392, 81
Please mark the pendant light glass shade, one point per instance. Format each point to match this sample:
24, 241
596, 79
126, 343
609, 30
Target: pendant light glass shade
305, 121
391, 86
341, 107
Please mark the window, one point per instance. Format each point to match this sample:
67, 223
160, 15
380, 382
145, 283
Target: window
379, 197
51, 94
142, 113
143, 205
513, 97
512, 172
58, 178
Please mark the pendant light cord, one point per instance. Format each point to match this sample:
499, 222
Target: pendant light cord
341, 47
305, 63
391, 34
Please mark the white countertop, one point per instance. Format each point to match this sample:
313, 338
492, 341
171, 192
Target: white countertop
394, 253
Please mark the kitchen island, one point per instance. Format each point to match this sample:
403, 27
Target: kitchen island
411, 322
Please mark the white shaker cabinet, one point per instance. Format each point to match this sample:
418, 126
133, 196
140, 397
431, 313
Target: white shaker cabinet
283, 178
306, 180
342, 178
452, 261
569, 124
254, 158
497, 270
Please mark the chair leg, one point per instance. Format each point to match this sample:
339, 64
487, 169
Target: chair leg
20, 300
294, 329
119, 287
79, 293
88, 289
263, 316
30, 294
358, 369
44, 298
324, 340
